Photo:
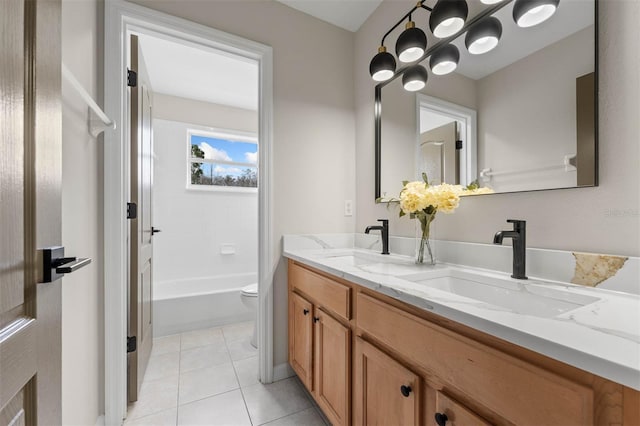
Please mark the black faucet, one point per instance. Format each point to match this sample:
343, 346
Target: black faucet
384, 230
519, 243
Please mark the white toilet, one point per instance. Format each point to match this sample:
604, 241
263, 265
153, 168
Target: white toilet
249, 297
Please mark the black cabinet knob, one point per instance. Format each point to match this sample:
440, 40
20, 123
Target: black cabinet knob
441, 419
316, 319
405, 390
305, 311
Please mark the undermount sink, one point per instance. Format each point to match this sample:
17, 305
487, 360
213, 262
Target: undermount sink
523, 297
360, 258
350, 259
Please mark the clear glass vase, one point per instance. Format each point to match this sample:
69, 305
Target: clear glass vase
423, 242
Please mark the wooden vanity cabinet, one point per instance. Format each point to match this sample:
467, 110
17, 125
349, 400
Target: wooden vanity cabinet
411, 367
385, 392
320, 340
301, 338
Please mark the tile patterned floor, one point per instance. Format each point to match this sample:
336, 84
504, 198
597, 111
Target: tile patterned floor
209, 377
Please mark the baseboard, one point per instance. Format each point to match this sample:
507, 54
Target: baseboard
100, 420
282, 371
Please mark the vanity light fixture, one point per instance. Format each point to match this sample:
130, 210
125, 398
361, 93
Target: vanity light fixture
448, 17
414, 78
483, 36
527, 13
444, 60
411, 44
383, 65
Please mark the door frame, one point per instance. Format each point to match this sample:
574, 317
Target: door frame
122, 18
466, 115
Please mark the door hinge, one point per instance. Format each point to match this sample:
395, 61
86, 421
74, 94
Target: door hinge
131, 344
132, 211
458, 144
132, 78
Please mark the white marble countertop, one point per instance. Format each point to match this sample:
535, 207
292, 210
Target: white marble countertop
596, 330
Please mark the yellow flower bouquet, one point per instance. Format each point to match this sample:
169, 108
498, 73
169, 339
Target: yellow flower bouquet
422, 201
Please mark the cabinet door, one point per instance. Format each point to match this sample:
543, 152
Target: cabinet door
386, 393
301, 338
451, 413
332, 367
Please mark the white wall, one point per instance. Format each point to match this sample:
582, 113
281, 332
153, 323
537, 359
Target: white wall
204, 113
314, 128
507, 107
82, 308
196, 223
605, 219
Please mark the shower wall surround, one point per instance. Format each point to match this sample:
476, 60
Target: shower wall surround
204, 233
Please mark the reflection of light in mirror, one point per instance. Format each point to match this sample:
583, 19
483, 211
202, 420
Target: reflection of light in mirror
483, 45
536, 15
444, 68
448, 27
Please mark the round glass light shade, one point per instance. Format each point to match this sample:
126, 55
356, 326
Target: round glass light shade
490, 1
448, 17
527, 13
444, 60
411, 44
414, 78
483, 36
382, 66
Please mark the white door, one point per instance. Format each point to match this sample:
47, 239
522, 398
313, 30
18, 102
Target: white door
141, 231
439, 157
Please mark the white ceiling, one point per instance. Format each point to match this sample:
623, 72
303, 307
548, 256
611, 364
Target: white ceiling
207, 75
347, 14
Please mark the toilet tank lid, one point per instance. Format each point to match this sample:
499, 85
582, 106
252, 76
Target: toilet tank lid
251, 289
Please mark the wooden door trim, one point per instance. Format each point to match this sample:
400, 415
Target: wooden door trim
121, 17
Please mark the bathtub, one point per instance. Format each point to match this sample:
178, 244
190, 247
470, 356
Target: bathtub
192, 304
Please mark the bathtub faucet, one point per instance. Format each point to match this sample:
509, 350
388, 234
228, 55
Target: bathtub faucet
384, 230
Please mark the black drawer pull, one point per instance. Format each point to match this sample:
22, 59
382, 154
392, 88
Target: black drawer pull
316, 319
405, 390
441, 419
305, 311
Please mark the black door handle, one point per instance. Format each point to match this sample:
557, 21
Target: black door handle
316, 319
72, 266
305, 311
55, 264
155, 230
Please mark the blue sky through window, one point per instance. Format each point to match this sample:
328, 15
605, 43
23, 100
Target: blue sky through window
226, 150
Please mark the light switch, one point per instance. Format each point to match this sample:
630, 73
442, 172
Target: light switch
348, 208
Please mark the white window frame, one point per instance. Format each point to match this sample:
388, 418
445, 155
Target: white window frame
228, 134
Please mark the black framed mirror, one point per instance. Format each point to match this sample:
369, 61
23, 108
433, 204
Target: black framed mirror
522, 117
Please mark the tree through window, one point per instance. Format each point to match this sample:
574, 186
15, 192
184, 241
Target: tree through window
224, 159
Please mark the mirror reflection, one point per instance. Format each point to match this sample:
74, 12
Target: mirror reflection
518, 118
